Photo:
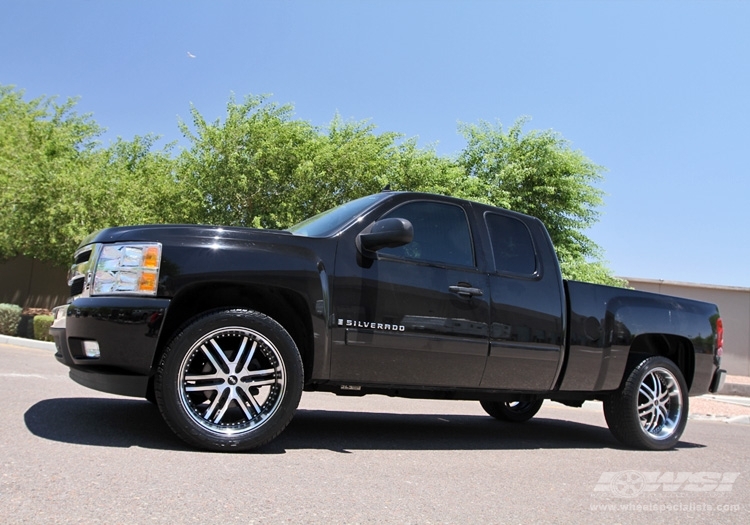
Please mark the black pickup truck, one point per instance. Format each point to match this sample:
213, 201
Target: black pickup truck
401, 294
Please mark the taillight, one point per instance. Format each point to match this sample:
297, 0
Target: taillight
719, 337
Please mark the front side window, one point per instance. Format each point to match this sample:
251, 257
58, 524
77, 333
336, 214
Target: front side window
511, 245
441, 234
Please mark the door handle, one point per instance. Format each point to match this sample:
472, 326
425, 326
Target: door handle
465, 291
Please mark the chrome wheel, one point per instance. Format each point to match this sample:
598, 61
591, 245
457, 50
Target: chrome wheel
659, 403
650, 410
231, 380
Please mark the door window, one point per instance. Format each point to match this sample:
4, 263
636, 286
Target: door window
441, 234
512, 246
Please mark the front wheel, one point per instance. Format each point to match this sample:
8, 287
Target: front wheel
651, 410
514, 411
231, 380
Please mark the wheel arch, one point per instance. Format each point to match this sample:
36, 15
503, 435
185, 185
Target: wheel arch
676, 348
286, 307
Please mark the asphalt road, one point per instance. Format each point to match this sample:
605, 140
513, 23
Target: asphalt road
71, 455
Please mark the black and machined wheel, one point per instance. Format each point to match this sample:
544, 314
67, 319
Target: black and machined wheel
514, 411
230, 381
651, 410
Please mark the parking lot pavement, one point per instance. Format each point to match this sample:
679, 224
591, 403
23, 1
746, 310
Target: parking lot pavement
73, 455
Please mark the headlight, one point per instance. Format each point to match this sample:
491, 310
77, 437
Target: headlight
127, 268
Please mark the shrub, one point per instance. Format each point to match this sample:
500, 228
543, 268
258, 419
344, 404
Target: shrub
41, 327
10, 316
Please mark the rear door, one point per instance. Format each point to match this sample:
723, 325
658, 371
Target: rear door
526, 334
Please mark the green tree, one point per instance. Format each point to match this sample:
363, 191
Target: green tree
344, 162
241, 171
538, 174
128, 182
59, 184
42, 145
262, 167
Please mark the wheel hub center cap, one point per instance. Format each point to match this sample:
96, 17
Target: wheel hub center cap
232, 380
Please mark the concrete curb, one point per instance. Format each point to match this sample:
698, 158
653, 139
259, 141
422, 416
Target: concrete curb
732, 420
27, 343
734, 389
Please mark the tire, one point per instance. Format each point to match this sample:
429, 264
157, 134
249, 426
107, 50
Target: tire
651, 410
514, 411
230, 381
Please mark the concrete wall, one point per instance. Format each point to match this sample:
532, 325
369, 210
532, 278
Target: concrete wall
32, 284
734, 307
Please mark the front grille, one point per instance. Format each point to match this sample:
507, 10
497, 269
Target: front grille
76, 286
82, 256
79, 270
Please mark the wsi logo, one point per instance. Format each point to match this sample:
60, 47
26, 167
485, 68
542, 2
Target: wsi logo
631, 483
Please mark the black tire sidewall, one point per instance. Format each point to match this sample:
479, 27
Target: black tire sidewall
167, 387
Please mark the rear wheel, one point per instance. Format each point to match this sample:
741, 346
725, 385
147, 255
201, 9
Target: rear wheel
231, 380
515, 411
651, 410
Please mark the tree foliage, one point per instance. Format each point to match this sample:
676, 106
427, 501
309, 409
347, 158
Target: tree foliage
241, 171
261, 167
43, 145
59, 185
538, 174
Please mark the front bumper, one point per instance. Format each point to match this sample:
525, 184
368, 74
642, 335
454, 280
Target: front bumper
126, 331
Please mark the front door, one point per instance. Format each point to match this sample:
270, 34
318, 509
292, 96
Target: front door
416, 315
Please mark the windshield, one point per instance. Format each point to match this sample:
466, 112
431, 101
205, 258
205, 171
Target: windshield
332, 221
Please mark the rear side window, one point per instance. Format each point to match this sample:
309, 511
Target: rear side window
512, 246
441, 234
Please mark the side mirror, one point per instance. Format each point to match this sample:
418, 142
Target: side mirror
387, 233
